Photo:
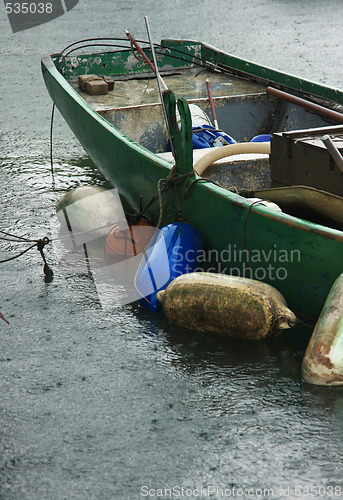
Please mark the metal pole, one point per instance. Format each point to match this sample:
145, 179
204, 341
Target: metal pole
159, 85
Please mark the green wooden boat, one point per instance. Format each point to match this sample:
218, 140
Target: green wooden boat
295, 250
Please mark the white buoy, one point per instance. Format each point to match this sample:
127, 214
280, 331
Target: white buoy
227, 305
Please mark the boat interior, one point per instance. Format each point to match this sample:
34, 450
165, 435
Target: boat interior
299, 175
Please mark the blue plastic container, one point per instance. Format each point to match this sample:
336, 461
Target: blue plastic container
173, 251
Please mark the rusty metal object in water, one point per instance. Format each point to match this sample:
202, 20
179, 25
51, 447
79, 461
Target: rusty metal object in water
323, 360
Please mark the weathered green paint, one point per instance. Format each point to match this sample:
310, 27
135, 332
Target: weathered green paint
224, 219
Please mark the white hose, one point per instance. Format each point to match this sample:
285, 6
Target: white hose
232, 149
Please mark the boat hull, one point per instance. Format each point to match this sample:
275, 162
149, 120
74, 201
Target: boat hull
299, 258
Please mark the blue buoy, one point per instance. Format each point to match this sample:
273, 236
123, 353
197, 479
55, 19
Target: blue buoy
261, 138
173, 251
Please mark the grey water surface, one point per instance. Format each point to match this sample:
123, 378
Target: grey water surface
119, 404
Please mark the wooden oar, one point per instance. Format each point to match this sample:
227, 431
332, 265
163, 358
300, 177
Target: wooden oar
213, 111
